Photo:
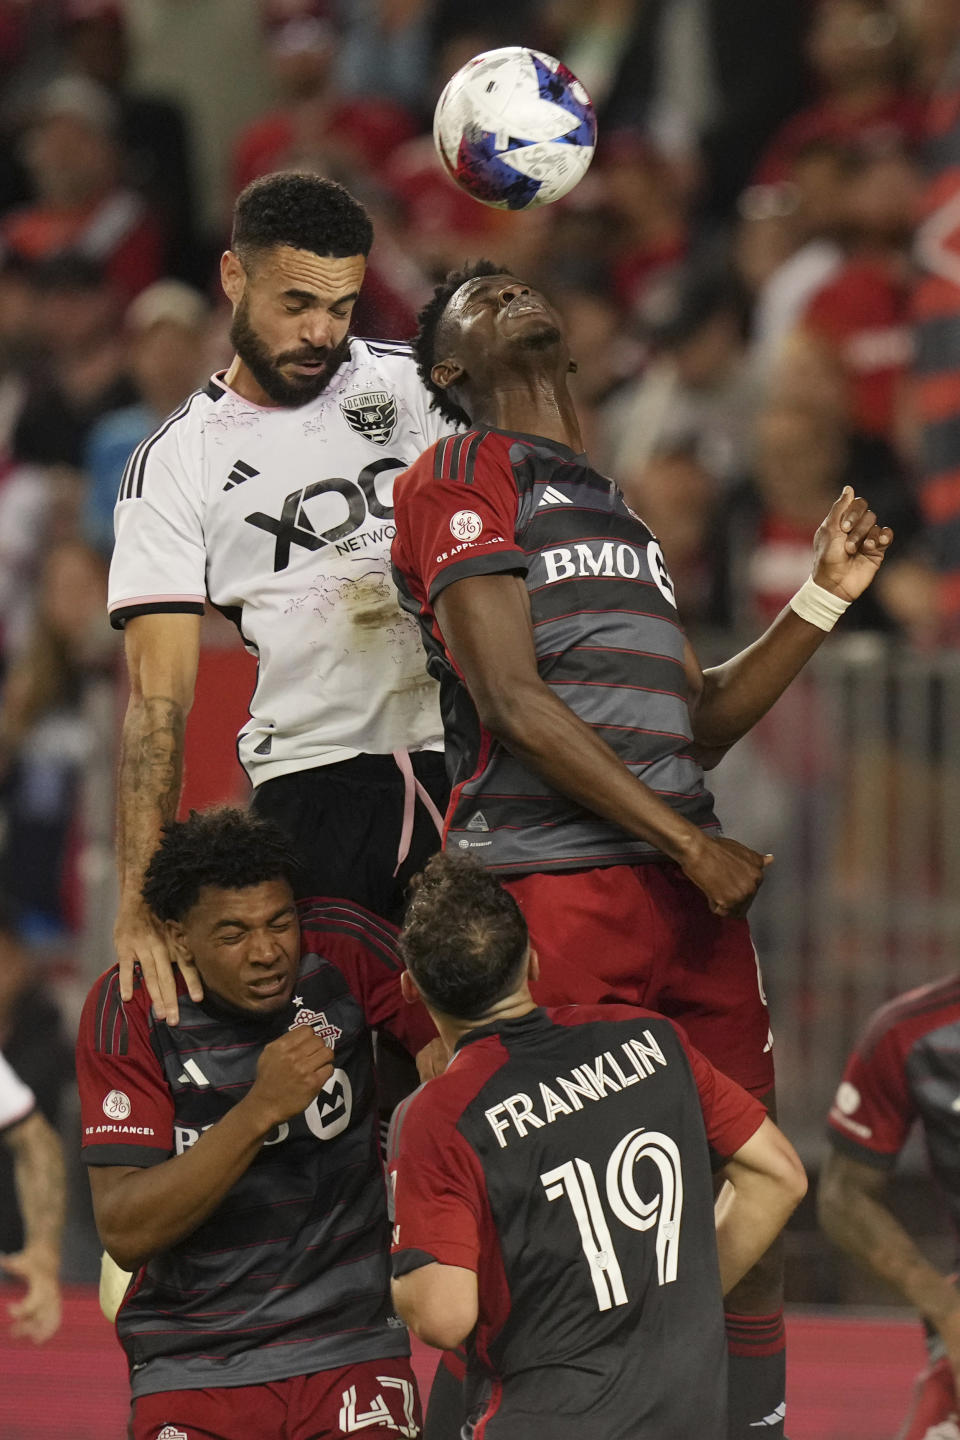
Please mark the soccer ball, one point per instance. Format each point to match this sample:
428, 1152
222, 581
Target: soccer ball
515, 128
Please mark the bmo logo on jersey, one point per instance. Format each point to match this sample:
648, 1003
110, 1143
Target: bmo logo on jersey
609, 560
340, 507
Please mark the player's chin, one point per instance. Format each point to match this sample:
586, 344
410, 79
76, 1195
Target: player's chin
539, 333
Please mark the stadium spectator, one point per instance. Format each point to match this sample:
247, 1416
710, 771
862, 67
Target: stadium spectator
81, 371
709, 80
548, 616
898, 1075
165, 328
80, 205
234, 1162
152, 130
41, 1193
314, 128
678, 500
699, 380
502, 1241
861, 315
856, 52
45, 737
651, 228
312, 425
761, 542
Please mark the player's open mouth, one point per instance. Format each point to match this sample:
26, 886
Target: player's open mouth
268, 985
525, 307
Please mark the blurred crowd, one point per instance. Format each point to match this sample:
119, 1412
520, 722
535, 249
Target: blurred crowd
759, 274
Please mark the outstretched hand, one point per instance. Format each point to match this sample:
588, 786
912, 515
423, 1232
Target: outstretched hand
849, 547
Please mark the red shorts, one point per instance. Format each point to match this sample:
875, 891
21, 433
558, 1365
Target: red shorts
378, 1397
645, 935
933, 1412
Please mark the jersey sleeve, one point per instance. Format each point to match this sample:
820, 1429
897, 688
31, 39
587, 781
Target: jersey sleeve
126, 1108
159, 558
17, 1100
455, 513
363, 947
730, 1114
873, 1109
437, 1189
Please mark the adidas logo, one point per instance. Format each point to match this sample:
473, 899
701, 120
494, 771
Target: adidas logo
192, 1071
551, 496
241, 471
477, 821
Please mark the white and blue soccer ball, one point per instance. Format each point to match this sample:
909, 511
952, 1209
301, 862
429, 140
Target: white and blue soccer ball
515, 128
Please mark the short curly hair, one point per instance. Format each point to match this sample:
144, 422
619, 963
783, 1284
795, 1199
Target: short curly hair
464, 939
225, 848
429, 325
308, 212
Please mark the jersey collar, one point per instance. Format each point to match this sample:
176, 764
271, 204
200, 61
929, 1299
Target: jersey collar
529, 1024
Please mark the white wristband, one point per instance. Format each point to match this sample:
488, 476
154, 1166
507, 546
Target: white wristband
817, 605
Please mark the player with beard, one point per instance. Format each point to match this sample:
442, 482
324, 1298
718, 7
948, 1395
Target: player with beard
269, 493
579, 721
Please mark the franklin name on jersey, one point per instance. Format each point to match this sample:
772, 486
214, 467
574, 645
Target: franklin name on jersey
283, 517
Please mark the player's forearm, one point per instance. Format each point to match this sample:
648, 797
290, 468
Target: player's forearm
151, 773
863, 1227
749, 1216
40, 1181
147, 1211
546, 735
738, 693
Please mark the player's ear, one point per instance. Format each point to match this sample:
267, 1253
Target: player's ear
233, 277
408, 988
176, 939
533, 965
447, 373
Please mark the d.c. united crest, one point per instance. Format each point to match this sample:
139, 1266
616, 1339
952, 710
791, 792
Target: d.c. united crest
373, 414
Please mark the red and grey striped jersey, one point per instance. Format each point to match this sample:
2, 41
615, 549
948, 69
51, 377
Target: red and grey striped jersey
289, 1274
608, 640
906, 1068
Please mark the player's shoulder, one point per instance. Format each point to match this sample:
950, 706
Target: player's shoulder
393, 359
906, 1018
175, 437
105, 1023
325, 919
573, 1015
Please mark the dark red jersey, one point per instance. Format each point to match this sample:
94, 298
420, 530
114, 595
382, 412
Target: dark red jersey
566, 1158
608, 640
290, 1273
906, 1067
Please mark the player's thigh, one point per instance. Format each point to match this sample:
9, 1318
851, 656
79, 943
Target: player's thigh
243, 1412
713, 987
376, 1397
596, 933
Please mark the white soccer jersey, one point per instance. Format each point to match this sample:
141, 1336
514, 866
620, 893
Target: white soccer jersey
283, 518
16, 1099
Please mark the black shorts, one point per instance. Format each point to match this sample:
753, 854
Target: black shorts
345, 822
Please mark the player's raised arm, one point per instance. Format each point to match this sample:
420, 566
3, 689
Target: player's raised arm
766, 1184
162, 654
729, 699
487, 628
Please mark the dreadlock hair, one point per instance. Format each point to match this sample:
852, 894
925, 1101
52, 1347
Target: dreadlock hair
304, 211
464, 939
226, 848
430, 325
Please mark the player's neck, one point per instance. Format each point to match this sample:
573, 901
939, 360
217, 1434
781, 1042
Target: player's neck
241, 381
512, 1007
532, 407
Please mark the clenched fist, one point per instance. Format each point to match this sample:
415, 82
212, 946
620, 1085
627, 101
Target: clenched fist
290, 1074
